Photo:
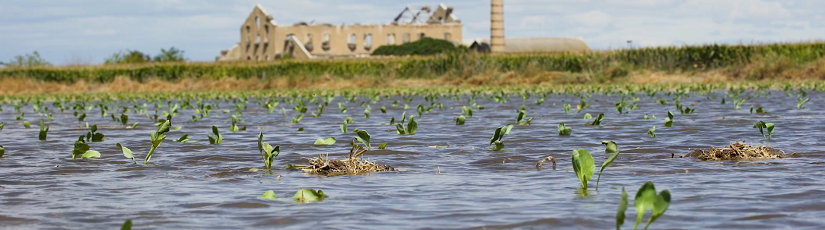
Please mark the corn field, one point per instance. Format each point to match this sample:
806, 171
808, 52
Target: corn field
687, 58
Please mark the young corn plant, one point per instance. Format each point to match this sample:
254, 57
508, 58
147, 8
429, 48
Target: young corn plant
43, 130
495, 141
217, 138
81, 149
598, 120
93, 135
762, 126
158, 137
412, 126
521, 120
268, 153
234, 126
801, 102
564, 130
669, 119
610, 147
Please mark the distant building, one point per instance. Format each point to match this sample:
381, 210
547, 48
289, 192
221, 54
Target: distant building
533, 45
262, 39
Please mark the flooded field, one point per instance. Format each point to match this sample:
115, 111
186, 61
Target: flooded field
446, 175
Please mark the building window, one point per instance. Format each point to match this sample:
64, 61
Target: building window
405, 38
248, 33
447, 36
257, 22
308, 43
421, 35
351, 42
367, 41
390, 39
325, 44
266, 33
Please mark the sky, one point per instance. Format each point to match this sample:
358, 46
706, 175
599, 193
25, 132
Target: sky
88, 31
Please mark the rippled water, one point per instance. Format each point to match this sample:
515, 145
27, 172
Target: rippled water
202, 186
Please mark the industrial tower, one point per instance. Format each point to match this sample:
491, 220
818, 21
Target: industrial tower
497, 26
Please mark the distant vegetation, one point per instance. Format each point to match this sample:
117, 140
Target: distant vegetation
137, 57
786, 61
424, 46
28, 60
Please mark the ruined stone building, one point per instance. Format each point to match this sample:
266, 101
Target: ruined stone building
262, 39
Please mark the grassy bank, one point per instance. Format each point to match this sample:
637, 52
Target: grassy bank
708, 63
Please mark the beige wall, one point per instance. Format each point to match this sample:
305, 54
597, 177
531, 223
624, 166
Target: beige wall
257, 41
262, 39
340, 37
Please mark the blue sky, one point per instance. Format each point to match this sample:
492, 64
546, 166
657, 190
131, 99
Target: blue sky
88, 31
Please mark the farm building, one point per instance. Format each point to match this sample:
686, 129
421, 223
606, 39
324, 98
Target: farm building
262, 39
534, 45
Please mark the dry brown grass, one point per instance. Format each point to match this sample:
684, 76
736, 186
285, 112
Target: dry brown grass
738, 151
352, 165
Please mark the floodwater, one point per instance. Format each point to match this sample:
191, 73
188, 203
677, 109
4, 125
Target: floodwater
464, 186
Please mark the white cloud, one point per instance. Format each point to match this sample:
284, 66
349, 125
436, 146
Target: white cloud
594, 18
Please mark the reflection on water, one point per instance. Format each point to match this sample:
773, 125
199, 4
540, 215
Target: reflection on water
200, 186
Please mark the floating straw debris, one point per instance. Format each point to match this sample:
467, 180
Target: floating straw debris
354, 164
738, 151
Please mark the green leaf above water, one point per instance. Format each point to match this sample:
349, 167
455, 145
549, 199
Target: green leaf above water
659, 207
91, 154
126, 225
127, 152
269, 194
326, 141
27, 125
651, 131
183, 139
2, 151
620, 212
308, 195
644, 200
587, 116
583, 166
382, 146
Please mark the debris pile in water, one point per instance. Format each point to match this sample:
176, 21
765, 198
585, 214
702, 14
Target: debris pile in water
349, 166
738, 151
